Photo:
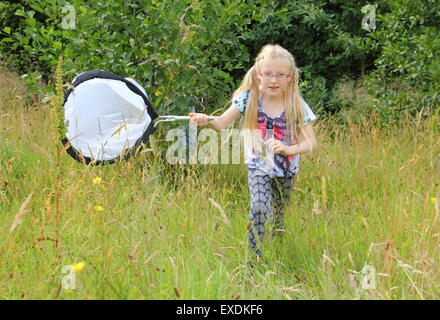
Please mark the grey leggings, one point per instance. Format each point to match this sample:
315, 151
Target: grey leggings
269, 199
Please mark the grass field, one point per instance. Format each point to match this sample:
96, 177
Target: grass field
367, 199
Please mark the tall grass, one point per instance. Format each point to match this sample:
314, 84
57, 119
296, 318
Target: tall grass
369, 196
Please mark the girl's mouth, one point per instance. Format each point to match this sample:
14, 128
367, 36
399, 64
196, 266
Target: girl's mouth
273, 88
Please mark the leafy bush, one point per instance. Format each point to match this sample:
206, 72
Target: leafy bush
192, 54
407, 74
202, 49
176, 49
12, 53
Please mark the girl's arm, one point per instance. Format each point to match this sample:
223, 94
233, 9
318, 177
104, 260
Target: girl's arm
305, 145
221, 122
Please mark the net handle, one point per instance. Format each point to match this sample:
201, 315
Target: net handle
176, 118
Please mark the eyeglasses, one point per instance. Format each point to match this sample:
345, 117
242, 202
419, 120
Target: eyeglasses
278, 76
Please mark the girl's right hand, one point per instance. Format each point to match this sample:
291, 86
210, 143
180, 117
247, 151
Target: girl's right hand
199, 119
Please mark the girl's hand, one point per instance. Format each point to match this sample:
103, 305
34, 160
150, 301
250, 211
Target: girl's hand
276, 146
199, 119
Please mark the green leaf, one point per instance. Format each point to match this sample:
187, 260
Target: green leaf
32, 22
57, 45
24, 40
7, 40
20, 12
7, 30
37, 8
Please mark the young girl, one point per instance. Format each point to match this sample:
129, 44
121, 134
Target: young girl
270, 101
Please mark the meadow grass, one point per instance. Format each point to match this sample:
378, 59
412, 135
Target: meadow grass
369, 196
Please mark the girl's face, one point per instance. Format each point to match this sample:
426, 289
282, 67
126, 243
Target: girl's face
274, 76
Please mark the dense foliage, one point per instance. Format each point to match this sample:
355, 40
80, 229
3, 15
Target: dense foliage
407, 72
176, 49
194, 53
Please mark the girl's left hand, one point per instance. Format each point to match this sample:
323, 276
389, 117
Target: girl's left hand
276, 146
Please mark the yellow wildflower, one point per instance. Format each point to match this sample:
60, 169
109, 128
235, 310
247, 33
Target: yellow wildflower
98, 208
96, 180
434, 200
78, 266
102, 187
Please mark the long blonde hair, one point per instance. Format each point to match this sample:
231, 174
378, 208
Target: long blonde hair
292, 98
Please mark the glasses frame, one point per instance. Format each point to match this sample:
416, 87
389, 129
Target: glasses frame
277, 76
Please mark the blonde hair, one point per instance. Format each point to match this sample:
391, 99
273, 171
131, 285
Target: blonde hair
292, 98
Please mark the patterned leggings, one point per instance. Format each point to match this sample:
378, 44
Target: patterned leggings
269, 199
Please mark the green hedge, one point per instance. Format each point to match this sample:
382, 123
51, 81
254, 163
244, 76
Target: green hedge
190, 53
178, 50
407, 74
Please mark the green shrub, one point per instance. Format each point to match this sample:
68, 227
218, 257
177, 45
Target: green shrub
407, 74
12, 53
192, 54
175, 49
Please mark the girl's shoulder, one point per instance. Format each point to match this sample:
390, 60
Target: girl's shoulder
309, 116
241, 101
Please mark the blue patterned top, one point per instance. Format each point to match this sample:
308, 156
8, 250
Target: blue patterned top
277, 165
